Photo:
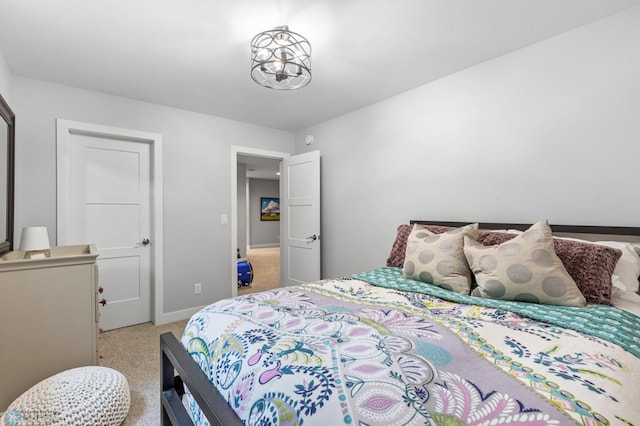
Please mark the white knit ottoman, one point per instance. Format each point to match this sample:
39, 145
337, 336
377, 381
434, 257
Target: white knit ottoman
80, 396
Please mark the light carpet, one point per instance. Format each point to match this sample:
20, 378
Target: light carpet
135, 352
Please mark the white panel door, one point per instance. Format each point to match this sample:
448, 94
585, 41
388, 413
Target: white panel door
300, 210
109, 206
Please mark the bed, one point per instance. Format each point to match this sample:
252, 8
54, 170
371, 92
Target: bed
388, 346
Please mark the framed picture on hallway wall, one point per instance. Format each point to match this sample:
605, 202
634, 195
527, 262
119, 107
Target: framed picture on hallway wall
269, 208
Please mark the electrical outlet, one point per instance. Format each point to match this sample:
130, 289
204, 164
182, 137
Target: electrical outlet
197, 288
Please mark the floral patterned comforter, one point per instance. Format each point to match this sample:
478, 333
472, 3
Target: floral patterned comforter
346, 351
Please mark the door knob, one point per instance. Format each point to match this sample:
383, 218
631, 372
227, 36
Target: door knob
144, 242
313, 237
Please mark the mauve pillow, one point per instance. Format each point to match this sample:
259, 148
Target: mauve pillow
396, 257
590, 265
399, 248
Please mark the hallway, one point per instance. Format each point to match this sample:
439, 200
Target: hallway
265, 262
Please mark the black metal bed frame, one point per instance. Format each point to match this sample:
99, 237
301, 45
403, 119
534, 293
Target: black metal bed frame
174, 358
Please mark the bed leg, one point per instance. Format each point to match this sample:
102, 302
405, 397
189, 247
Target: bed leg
172, 389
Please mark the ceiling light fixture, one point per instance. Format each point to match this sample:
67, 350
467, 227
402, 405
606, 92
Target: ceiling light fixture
280, 59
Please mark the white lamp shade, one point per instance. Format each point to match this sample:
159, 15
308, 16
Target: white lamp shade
34, 238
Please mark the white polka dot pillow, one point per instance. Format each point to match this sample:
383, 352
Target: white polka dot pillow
525, 268
439, 258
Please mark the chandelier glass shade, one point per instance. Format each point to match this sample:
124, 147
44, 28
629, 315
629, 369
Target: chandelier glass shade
280, 59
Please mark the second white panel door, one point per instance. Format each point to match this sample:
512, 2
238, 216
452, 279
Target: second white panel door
300, 212
110, 202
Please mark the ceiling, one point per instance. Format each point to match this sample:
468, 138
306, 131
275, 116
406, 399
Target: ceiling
194, 54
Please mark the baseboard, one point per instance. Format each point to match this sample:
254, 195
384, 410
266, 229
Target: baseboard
167, 317
264, 245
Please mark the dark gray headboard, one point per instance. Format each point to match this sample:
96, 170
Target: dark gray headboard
590, 233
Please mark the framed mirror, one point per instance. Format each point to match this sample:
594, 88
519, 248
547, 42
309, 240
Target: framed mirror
7, 164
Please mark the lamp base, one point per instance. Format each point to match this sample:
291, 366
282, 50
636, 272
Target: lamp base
37, 254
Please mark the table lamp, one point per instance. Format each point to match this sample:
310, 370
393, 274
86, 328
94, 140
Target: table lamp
34, 242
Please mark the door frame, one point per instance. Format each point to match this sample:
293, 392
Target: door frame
235, 151
65, 128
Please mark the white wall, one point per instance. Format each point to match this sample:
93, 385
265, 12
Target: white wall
196, 176
5, 79
262, 233
549, 131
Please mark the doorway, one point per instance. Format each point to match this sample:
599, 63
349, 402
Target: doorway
265, 252
261, 252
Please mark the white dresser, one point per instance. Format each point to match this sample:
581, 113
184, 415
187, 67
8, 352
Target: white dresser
48, 316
